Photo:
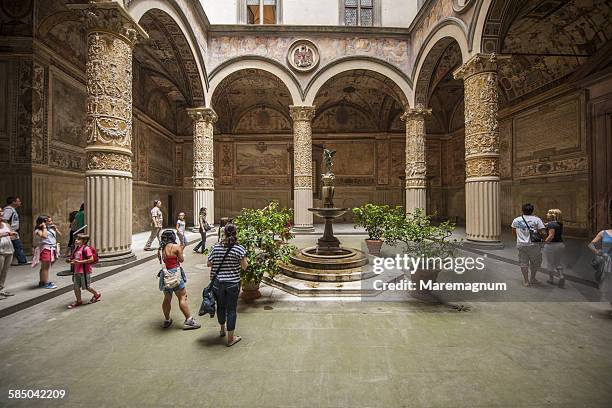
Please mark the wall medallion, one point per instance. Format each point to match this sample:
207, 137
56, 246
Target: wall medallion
303, 56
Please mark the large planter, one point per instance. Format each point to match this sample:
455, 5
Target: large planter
423, 275
250, 291
374, 246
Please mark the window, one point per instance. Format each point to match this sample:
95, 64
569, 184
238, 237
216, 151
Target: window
261, 12
358, 12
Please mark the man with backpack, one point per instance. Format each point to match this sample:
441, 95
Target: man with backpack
529, 230
82, 258
11, 217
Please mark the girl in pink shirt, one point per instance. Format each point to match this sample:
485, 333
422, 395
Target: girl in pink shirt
81, 259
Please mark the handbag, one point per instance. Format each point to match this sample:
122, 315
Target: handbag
170, 280
598, 262
534, 236
208, 298
207, 226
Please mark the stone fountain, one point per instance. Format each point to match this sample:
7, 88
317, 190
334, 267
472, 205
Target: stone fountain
328, 261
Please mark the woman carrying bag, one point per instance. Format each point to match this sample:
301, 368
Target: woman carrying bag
226, 259
603, 261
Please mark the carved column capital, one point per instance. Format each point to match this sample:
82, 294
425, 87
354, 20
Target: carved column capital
417, 113
479, 64
301, 113
207, 115
109, 17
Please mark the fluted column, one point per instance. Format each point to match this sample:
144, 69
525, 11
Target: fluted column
416, 169
302, 157
111, 35
483, 214
203, 162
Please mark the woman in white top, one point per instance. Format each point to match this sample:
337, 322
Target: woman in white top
6, 253
180, 229
46, 252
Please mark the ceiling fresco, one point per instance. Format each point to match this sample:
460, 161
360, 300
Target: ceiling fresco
548, 40
246, 89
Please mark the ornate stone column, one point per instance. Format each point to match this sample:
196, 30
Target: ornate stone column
111, 35
483, 215
203, 162
416, 170
302, 174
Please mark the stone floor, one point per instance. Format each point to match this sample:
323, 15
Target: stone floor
544, 351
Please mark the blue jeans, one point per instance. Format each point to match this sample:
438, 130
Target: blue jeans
226, 294
18, 246
202, 243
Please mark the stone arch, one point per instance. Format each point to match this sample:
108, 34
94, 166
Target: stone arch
402, 85
224, 70
176, 27
436, 44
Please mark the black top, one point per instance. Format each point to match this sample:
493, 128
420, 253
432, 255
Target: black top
558, 227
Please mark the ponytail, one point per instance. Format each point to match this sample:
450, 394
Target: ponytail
230, 235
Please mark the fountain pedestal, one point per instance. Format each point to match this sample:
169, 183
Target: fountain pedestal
328, 244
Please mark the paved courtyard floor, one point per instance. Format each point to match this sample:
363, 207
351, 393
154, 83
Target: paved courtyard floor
551, 350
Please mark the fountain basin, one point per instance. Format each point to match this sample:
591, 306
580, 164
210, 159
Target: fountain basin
328, 213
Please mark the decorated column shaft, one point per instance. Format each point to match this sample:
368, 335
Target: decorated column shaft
416, 169
302, 158
111, 35
483, 217
203, 162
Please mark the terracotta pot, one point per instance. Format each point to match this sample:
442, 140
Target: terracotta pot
250, 291
374, 246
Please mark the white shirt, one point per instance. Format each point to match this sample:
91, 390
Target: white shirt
10, 213
157, 217
522, 231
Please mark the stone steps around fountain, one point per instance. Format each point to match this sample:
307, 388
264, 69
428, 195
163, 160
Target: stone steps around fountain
326, 275
305, 288
322, 262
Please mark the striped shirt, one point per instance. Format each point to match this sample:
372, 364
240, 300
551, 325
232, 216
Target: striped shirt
230, 270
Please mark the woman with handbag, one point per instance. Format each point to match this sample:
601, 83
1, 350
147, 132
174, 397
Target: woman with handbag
172, 279
46, 252
604, 240
554, 246
226, 259
204, 228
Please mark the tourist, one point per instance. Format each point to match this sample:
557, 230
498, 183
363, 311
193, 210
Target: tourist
77, 221
529, 231
46, 251
604, 240
180, 229
157, 222
171, 255
204, 227
226, 259
81, 261
12, 217
554, 246
6, 253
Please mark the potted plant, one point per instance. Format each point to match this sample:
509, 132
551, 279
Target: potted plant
422, 239
265, 234
372, 218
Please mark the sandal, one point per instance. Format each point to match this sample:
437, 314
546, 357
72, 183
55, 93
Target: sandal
236, 340
95, 298
526, 284
222, 333
75, 304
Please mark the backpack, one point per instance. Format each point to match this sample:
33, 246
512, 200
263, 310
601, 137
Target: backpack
94, 253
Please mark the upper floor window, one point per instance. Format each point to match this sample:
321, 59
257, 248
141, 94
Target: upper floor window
358, 12
261, 12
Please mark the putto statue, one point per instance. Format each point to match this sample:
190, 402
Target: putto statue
327, 159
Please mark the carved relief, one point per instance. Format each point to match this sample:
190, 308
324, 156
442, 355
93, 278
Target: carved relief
203, 153
302, 145
416, 170
108, 161
303, 56
566, 166
66, 160
39, 141
178, 170
482, 166
22, 134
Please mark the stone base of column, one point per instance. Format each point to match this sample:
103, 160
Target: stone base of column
302, 201
416, 198
482, 212
206, 199
108, 211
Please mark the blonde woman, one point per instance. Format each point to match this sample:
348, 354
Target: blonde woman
554, 246
180, 229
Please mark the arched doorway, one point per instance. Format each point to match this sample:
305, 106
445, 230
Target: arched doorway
253, 140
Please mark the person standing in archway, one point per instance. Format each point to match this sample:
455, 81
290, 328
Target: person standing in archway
157, 222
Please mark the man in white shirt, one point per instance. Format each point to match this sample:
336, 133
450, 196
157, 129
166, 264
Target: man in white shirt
11, 217
529, 231
157, 222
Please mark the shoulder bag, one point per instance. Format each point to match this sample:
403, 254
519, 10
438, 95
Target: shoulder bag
208, 299
534, 235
